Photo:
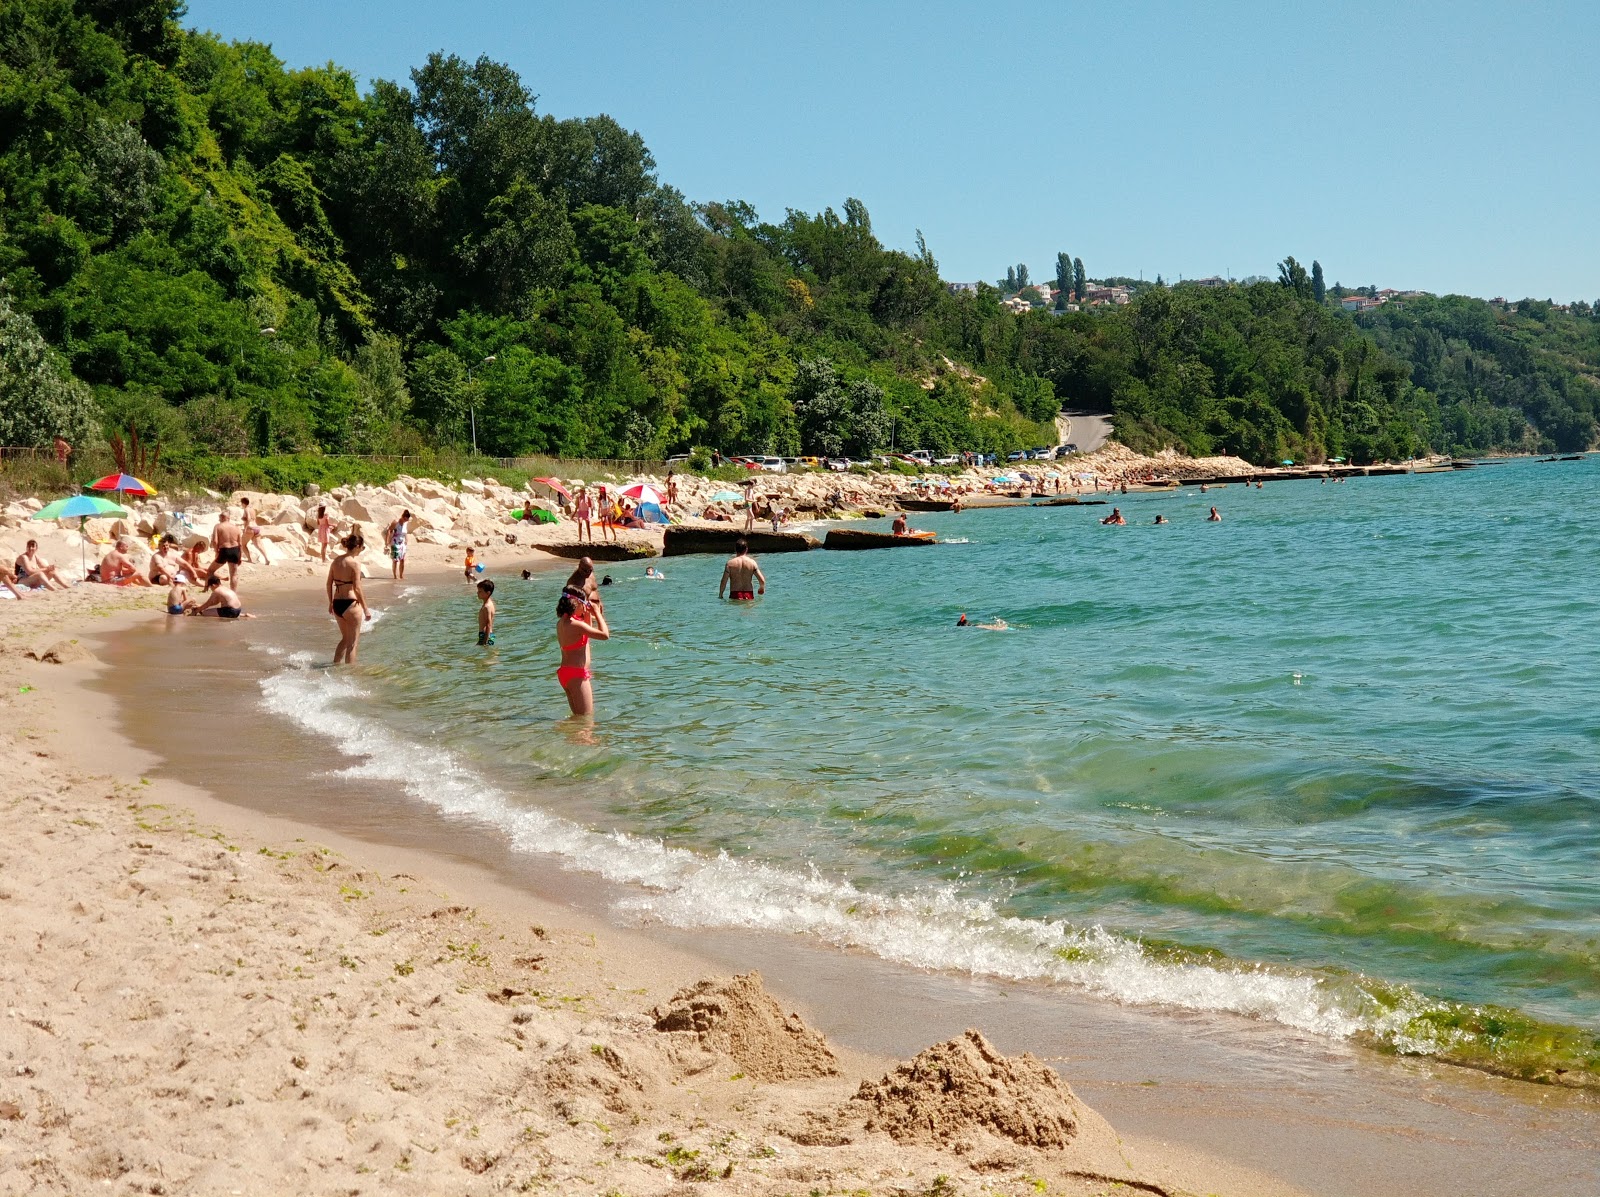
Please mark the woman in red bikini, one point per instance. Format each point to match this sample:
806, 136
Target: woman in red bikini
573, 633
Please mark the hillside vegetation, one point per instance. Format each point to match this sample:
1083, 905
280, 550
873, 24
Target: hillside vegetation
236, 256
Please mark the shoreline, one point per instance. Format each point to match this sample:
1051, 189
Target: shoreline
587, 983
829, 980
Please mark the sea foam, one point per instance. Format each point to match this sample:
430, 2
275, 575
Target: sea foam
932, 927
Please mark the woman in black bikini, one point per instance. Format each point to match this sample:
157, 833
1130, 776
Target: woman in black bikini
346, 603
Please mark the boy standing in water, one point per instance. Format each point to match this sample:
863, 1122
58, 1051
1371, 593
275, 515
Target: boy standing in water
486, 613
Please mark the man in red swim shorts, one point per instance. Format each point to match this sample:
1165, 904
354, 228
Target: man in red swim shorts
738, 574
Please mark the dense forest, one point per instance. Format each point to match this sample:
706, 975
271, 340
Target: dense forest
239, 257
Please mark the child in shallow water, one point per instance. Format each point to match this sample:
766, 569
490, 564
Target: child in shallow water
486, 612
177, 598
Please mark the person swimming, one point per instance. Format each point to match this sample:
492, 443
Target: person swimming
1161, 519
1116, 517
962, 622
1213, 518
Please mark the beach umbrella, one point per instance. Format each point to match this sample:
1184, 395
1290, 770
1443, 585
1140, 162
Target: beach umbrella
644, 494
1335, 460
1286, 463
727, 496
555, 485
81, 507
125, 484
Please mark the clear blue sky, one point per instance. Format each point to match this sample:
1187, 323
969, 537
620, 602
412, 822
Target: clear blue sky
1446, 146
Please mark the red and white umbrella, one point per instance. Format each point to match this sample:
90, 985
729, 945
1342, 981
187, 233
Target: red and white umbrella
644, 494
554, 485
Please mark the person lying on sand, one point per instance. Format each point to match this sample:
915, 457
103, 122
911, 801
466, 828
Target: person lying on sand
224, 601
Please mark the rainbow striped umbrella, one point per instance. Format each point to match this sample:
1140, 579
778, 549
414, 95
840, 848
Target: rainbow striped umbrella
125, 484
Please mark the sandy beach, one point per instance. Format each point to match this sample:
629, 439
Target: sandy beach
204, 1000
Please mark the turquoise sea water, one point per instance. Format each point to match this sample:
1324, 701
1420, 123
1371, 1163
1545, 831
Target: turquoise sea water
1326, 762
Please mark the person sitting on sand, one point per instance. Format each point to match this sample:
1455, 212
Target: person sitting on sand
1213, 518
346, 602
167, 564
223, 601
178, 598
1116, 517
9, 580
190, 558
117, 568
738, 573
35, 573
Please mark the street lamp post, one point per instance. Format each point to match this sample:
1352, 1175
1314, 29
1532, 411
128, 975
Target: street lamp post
472, 407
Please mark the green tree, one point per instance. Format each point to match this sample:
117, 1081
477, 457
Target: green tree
1079, 280
39, 399
1293, 276
1319, 285
1064, 277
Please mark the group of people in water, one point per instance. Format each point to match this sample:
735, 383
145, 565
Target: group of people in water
1117, 519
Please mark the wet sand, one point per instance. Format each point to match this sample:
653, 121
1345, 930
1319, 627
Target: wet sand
1326, 1117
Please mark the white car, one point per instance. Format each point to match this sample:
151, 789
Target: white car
772, 465
952, 460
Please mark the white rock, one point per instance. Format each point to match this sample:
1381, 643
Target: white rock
472, 486
356, 509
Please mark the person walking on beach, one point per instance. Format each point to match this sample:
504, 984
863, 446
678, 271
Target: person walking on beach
396, 533
346, 602
324, 528
249, 531
486, 613
738, 573
583, 512
577, 622
225, 540
749, 504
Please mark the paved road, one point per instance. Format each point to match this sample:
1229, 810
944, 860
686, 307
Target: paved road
1087, 429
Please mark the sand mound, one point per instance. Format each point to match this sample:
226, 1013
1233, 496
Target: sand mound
737, 1017
965, 1084
63, 652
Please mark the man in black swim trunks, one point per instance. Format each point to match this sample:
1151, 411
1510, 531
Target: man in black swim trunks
226, 539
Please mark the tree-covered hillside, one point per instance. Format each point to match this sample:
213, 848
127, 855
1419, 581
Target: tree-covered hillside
239, 256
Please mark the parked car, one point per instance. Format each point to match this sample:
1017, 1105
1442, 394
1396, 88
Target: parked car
809, 463
921, 456
677, 459
838, 464
950, 460
1017, 455
1067, 448
772, 465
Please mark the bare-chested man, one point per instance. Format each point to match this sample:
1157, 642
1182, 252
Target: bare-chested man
118, 569
33, 571
738, 574
226, 539
582, 582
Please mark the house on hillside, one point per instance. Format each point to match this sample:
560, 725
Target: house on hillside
1213, 281
1360, 303
961, 288
1104, 295
1016, 304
